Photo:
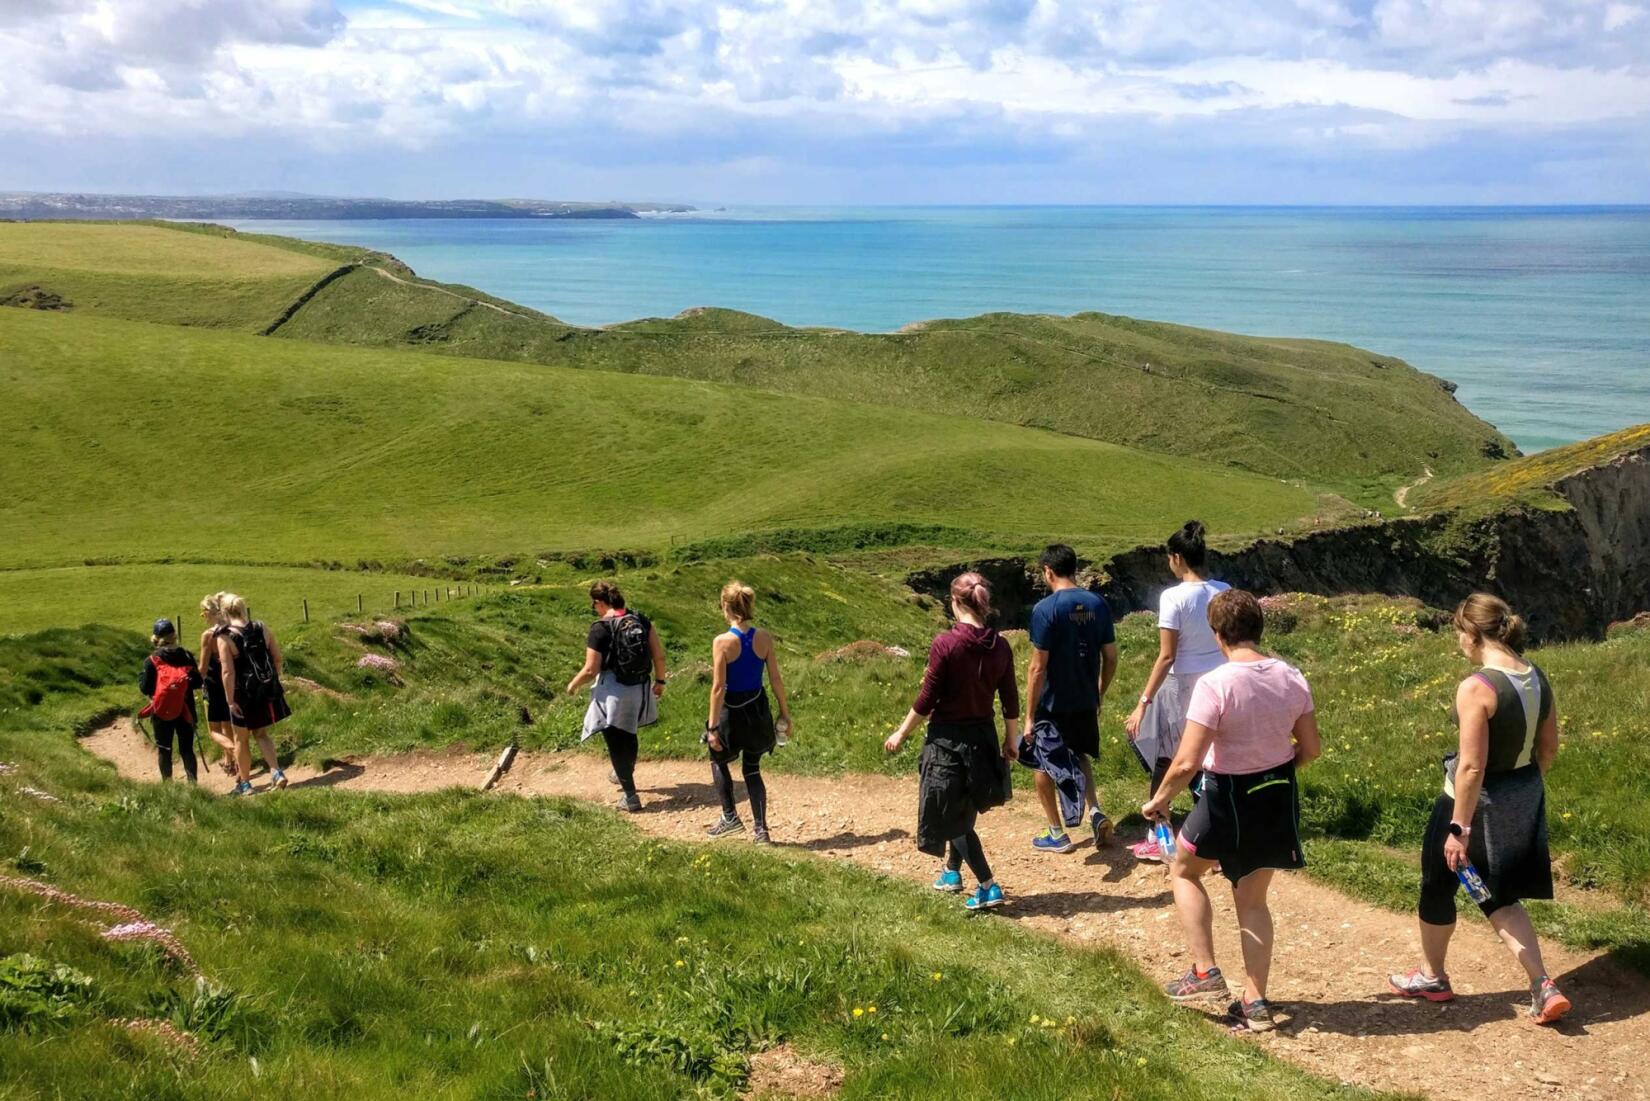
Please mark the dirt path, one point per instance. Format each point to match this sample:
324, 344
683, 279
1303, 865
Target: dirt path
1333, 952
1401, 494
393, 278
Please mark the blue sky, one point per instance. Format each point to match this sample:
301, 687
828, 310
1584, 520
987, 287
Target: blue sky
834, 101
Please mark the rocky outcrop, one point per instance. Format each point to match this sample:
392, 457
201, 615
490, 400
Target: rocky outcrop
1570, 571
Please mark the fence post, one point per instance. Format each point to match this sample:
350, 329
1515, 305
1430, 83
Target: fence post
398, 598
358, 607
306, 609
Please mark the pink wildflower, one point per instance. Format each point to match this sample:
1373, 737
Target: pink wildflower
377, 662
148, 930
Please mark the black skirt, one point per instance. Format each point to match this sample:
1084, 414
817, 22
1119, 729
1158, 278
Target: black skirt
264, 713
1247, 821
747, 726
217, 704
1508, 844
962, 774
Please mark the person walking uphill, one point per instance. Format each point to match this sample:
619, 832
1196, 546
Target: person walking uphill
1073, 658
252, 665
1492, 814
1249, 725
741, 724
620, 651
962, 771
169, 678
1187, 649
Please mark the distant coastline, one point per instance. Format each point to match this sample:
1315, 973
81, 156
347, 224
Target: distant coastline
43, 205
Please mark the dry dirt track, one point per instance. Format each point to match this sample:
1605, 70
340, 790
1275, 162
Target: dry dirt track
1333, 952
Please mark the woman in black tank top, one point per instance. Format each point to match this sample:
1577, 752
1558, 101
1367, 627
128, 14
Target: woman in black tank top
1491, 818
217, 704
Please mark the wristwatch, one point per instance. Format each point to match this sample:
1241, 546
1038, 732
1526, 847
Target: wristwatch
1145, 700
1456, 829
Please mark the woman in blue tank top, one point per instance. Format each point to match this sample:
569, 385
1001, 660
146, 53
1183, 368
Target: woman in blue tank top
740, 724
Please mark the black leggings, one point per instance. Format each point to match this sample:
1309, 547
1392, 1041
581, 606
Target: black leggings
967, 847
750, 764
622, 748
184, 730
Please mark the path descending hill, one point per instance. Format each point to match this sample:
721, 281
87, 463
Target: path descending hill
1333, 952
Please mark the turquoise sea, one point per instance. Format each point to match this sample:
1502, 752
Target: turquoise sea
1541, 315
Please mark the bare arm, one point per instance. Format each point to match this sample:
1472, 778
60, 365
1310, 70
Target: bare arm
592, 669
656, 647
226, 659
1308, 746
1108, 666
776, 680
1168, 644
1474, 703
274, 651
1546, 741
1188, 759
897, 738
1036, 674
208, 647
718, 687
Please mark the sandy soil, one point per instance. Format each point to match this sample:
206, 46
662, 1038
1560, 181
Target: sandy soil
1332, 956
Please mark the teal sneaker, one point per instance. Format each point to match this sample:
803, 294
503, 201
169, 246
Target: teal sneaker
949, 881
1050, 842
242, 788
985, 898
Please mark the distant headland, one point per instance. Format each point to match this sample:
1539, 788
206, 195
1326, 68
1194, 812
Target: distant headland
296, 207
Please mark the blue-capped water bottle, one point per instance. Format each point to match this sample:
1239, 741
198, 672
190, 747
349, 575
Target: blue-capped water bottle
1165, 840
1474, 883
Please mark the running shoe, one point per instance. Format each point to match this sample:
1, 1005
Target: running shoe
278, 780
630, 804
1148, 849
949, 881
725, 827
1547, 1002
1256, 1016
242, 788
1192, 985
1100, 826
1416, 984
1050, 842
985, 898
613, 778
760, 836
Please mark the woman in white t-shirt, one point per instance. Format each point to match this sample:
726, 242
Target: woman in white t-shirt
1186, 649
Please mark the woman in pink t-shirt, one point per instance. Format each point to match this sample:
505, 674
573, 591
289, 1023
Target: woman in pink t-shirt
1250, 723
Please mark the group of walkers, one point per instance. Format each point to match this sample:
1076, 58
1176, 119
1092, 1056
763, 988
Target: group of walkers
239, 669
1217, 717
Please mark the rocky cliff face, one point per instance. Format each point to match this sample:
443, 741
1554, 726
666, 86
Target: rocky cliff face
1569, 571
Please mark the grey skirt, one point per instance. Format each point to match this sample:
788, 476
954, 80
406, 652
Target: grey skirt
615, 706
1165, 719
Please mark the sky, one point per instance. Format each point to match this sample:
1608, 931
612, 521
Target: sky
834, 101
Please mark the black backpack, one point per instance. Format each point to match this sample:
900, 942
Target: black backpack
255, 680
630, 657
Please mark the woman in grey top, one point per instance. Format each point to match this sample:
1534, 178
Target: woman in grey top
1492, 814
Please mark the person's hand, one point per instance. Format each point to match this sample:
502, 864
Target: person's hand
236, 713
713, 739
1029, 729
1156, 810
1011, 748
895, 740
1132, 723
658, 688
1455, 853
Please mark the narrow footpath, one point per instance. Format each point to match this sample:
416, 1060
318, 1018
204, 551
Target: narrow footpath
1328, 975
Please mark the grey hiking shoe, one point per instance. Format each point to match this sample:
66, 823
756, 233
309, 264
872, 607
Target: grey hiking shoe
1415, 984
1256, 1016
760, 836
630, 804
725, 827
1547, 1002
1191, 985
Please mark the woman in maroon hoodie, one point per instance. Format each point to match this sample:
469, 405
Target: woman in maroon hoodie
963, 770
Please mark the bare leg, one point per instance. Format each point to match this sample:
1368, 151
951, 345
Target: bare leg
266, 746
1513, 923
243, 753
225, 741
1191, 901
1435, 947
1049, 796
1255, 929
1089, 789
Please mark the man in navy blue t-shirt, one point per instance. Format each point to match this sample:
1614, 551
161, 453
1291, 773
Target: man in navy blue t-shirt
1073, 657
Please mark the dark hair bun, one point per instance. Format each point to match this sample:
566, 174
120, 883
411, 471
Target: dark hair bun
1188, 543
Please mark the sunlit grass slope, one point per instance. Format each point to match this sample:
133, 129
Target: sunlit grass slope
331, 453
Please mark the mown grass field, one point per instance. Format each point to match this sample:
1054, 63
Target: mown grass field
1308, 410
477, 946
327, 453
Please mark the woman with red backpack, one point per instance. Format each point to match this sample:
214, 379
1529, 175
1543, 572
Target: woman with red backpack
169, 679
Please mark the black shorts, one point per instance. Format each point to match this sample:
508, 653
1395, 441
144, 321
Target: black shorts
1080, 730
217, 705
1247, 822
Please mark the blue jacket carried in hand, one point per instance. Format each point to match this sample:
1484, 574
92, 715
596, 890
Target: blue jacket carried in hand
1045, 751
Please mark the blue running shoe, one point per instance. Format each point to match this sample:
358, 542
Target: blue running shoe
1050, 842
985, 898
242, 788
1101, 827
948, 881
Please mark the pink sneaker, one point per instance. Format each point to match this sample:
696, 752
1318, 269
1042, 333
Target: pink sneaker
1148, 849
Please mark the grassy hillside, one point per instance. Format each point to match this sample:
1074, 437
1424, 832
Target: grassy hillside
343, 453
478, 946
1527, 479
1297, 409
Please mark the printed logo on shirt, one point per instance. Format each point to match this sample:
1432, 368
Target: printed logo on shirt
1081, 615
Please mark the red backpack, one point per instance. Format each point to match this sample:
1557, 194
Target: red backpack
171, 697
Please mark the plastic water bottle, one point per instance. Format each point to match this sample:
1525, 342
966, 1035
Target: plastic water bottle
781, 733
1165, 840
1474, 883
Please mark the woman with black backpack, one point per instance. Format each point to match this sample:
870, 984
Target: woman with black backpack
251, 660
620, 651
169, 679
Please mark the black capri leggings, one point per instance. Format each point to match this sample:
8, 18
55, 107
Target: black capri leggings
622, 748
166, 730
968, 848
750, 765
